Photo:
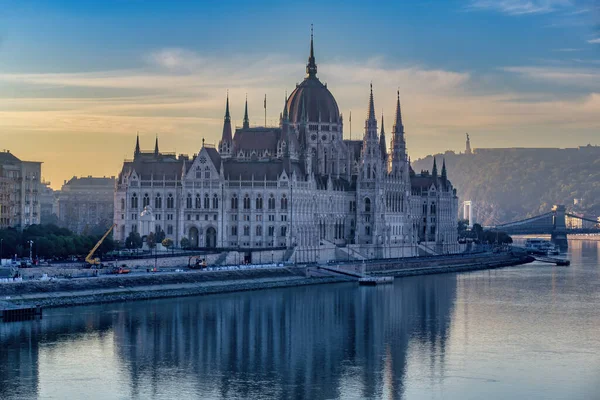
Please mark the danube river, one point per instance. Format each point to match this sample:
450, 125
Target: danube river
526, 332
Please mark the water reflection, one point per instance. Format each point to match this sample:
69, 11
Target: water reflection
312, 342
510, 333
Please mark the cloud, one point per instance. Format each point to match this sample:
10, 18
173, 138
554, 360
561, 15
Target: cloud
521, 7
567, 50
583, 78
594, 41
180, 95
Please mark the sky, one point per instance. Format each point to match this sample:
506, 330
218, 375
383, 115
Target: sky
79, 79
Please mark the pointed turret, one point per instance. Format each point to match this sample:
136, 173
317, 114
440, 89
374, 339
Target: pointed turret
156, 147
444, 174
434, 171
382, 146
311, 66
371, 112
226, 143
398, 142
246, 120
137, 146
398, 126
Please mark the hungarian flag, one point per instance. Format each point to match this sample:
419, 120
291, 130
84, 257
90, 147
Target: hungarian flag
265, 101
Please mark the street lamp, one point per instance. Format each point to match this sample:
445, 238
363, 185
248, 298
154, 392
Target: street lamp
30, 250
1, 249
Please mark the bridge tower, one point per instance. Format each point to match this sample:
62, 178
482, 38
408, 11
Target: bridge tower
559, 231
468, 212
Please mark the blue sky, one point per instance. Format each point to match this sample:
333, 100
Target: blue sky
82, 77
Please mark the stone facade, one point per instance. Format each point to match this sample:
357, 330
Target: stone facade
299, 186
86, 203
19, 191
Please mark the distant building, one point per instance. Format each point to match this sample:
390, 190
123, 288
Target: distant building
85, 203
300, 185
48, 204
19, 191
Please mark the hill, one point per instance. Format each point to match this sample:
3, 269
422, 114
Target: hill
514, 183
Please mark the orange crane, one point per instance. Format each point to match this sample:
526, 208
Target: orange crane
94, 262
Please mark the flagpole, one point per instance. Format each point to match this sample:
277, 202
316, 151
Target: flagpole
265, 110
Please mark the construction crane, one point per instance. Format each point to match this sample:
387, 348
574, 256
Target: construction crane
96, 261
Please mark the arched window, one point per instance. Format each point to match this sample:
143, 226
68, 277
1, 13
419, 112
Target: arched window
259, 230
146, 200
170, 201
367, 230
246, 230
271, 202
207, 173
188, 201
259, 202
234, 202
122, 204
284, 202
198, 172
198, 201
367, 205
206, 201
215, 201
158, 201
283, 231
246, 202
134, 201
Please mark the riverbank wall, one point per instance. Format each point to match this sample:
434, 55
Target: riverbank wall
104, 289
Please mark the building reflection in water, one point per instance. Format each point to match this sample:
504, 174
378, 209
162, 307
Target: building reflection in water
309, 342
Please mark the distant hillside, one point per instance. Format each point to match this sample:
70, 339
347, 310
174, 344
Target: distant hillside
509, 184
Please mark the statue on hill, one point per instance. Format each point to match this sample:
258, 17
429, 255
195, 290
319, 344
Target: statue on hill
468, 148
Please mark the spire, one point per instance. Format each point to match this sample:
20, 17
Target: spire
246, 120
311, 67
398, 127
371, 115
226, 136
227, 116
434, 170
382, 146
156, 146
137, 145
444, 176
285, 111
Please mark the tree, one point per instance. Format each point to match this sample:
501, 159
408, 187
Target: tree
160, 236
133, 241
478, 231
462, 227
185, 243
168, 243
151, 240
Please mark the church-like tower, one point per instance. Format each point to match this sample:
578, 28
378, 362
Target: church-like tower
226, 143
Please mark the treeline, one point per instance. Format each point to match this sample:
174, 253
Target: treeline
50, 241
511, 184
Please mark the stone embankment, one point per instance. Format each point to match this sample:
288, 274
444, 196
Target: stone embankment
139, 286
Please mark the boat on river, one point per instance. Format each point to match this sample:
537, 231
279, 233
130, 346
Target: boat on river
542, 247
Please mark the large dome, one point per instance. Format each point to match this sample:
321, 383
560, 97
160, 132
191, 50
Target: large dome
312, 98
317, 100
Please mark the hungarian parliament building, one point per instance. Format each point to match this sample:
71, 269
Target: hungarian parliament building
299, 188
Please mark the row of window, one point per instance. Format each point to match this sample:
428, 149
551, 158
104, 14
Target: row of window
258, 230
258, 202
199, 201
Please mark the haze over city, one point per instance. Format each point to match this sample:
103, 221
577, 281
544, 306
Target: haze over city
79, 79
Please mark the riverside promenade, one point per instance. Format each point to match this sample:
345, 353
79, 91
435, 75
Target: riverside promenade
143, 285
